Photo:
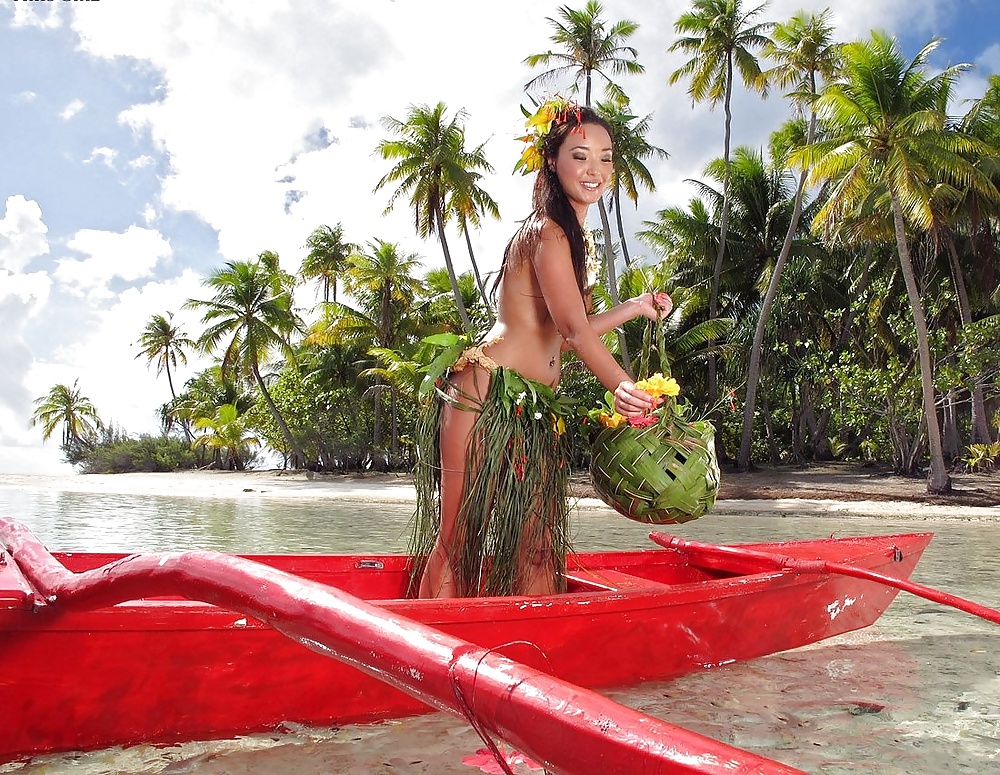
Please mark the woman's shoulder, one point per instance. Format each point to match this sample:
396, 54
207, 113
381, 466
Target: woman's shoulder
552, 237
538, 233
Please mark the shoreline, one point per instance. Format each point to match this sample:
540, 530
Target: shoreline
791, 499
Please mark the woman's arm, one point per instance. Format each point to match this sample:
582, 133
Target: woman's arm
648, 305
553, 267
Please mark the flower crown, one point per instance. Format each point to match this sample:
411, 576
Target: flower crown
551, 113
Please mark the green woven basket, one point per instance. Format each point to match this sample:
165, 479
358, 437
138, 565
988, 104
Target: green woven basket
657, 475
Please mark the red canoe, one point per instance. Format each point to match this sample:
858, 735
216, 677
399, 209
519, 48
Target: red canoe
83, 670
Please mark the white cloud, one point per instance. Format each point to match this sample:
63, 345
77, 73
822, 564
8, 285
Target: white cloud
120, 384
25, 96
103, 155
74, 107
31, 15
23, 235
129, 255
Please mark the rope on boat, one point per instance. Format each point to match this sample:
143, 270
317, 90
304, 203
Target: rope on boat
467, 710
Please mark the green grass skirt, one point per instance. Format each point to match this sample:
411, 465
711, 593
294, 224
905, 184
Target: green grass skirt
516, 486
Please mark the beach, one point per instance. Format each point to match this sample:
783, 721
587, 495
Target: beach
831, 488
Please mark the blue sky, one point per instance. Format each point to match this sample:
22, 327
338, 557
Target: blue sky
146, 143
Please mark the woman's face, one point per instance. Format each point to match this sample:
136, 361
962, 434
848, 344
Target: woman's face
584, 165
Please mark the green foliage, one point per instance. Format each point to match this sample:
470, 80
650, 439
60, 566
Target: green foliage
117, 453
982, 457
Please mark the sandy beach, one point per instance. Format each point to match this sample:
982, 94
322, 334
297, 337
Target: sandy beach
825, 489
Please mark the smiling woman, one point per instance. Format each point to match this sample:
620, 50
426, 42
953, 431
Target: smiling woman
492, 474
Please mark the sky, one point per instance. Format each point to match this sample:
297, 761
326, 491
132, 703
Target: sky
147, 143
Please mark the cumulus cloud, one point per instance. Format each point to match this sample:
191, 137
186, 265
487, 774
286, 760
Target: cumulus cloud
23, 235
44, 16
122, 386
129, 256
71, 109
103, 155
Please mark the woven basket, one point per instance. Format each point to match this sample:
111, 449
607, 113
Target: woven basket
657, 475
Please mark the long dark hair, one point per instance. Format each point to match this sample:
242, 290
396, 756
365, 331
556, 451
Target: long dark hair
548, 199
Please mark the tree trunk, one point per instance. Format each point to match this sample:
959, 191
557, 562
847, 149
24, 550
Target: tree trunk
713, 300
616, 194
757, 349
609, 260
938, 481
980, 422
298, 457
463, 313
490, 317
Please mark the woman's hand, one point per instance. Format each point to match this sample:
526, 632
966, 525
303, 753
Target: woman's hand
654, 305
630, 401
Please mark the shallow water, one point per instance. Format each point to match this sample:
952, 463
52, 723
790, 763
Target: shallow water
919, 692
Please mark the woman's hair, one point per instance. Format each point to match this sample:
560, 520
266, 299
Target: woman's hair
548, 199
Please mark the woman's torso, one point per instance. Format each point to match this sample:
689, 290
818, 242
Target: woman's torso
525, 337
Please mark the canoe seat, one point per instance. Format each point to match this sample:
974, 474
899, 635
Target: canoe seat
608, 580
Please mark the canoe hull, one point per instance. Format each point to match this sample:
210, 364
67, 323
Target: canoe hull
162, 670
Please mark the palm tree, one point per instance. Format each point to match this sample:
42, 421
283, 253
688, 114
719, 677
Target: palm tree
803, 51
720, 37
432, 164
631, 152
588, 48
163, 342
250, 316
384, 284
328, 252
227, 434
65, 405
887, 150
591, 47
469, 202
977, 214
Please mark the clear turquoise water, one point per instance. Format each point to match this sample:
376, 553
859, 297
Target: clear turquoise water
917, 693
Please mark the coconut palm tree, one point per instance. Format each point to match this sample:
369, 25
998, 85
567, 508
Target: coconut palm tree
226, 433
328, 252
720, 38
432, 164
632, 150
163, 342
384, 285
887, 149
469, 202
804, 52
248, 318
64, 405
591, 47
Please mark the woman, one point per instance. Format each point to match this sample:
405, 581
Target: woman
492, 518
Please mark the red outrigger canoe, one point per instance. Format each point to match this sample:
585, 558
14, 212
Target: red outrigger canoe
107, 649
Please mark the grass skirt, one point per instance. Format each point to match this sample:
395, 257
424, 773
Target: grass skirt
514, 501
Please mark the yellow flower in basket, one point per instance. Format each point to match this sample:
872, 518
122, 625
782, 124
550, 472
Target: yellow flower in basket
660, 468
658, 386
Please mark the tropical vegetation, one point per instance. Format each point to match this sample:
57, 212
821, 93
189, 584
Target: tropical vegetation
836, 292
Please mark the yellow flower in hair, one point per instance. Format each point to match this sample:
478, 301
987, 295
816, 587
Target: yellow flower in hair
539, 124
